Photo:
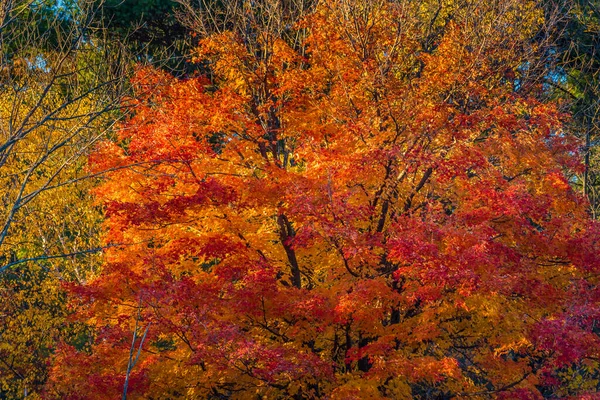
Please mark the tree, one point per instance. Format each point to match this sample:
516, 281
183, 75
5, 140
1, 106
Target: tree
357, 202
149, 30
57, 94
575, 79
58, 97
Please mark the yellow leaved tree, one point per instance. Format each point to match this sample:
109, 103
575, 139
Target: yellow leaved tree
59, 92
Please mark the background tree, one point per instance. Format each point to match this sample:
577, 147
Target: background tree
58, 97
359, 200
576, 61
150, 31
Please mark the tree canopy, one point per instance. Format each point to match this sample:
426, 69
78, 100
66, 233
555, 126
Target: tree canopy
359, 199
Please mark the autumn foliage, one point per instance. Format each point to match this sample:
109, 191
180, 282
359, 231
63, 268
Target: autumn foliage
375, 209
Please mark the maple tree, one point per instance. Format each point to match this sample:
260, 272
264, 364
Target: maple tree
356, 202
